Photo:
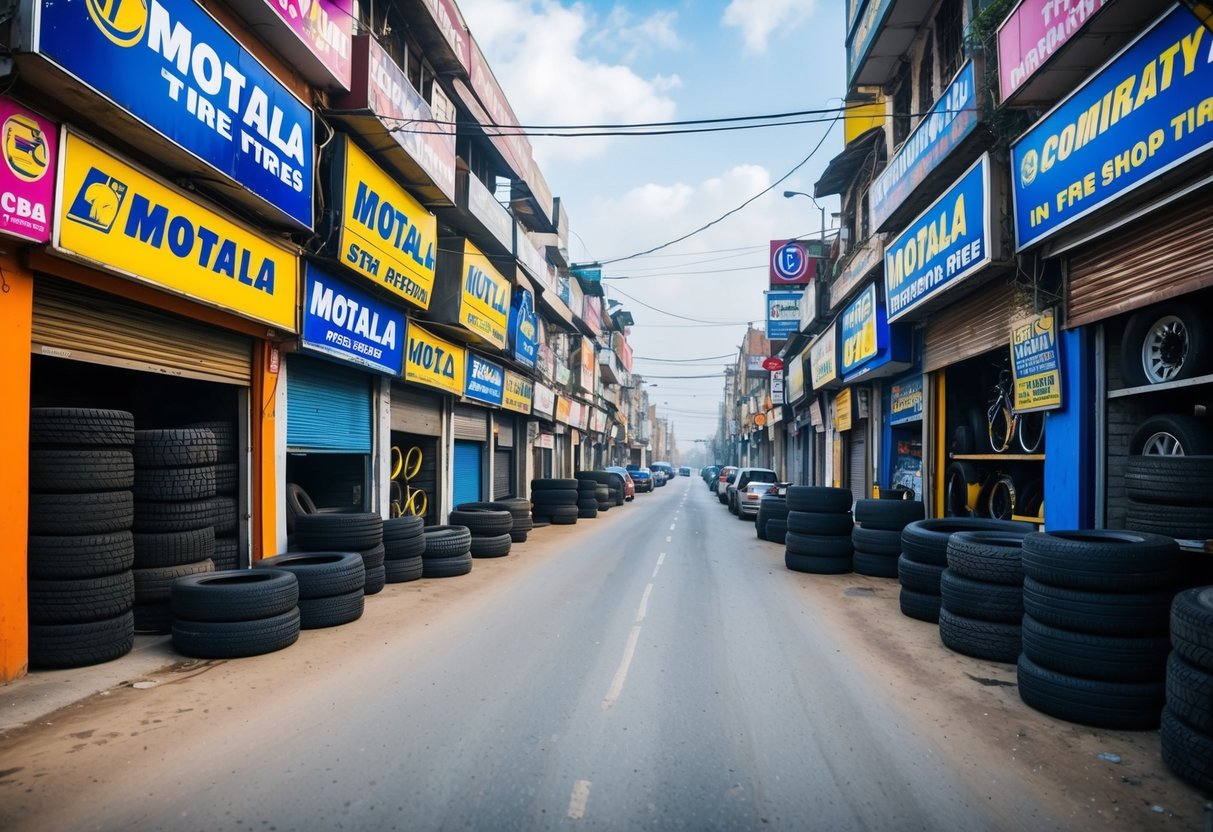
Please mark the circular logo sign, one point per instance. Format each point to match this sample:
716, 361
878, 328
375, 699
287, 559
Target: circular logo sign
773, 363
790, 262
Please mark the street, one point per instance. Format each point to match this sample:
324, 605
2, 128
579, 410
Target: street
656, 668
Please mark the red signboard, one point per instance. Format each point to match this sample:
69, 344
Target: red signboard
791, 263
773, 363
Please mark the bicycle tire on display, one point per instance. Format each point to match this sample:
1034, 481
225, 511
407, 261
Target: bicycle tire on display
1030, 431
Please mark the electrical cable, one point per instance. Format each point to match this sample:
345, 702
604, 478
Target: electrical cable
671, 314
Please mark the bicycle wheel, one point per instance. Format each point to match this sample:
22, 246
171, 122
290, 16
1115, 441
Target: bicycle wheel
1000, 498
1030, 431
1000, 427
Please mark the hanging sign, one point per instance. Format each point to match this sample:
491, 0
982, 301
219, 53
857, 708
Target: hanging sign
823, 357
27, 179
905, 401
173, 67
842, 410
1035, 363
564, 409
783, 314
859, 329
791, 263
325, 27
385, 235
518, 393
523, 334
588, 366
484, 306
127, 221
343, 322
433, 361
543, 401
485, 381
1145, 112
950, 241
1032, 33
772, 363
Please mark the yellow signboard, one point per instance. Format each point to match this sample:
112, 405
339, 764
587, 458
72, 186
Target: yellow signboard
842, 410
386, 235
564, 409
518, 393
1035, 363
433, 361
484, 305
114, 214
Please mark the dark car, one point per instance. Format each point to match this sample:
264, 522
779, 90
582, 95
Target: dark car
684, 471
642, 479
709, 475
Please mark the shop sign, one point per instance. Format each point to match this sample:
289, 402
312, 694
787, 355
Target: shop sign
867, 24
1035, 363
511, 143
867, 257
390, 96
343, 322
783, 314
593, 313
485, 381
795, 379
588, 366
791, 263
1145, 112
484, 300
815, 417
859, 330
1033, 33
124, 220
180, 73
434, 362
483, 205
27, 180
624, 350
386, 236
842, 410
545, 440
450, 23
544, 402
325, 27
905, 401
546, 362
564, 407
563, 375
952, 118
950, 241
823, 357
518, 393
523, 334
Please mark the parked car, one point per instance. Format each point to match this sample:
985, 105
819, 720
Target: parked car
722, 482
709, 476
659, 477
665, 469
629, 487
684, 471
750, 497
642, 479
743, 478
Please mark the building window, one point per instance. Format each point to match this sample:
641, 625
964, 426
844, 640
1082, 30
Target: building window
926, 81
902, 105
865, 210
949, 32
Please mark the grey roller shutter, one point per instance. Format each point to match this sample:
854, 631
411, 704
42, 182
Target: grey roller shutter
416, 412
505, 432
857, 468
503, 473
471, 423
82, 324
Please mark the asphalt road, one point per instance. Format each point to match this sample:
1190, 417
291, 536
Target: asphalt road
654, 669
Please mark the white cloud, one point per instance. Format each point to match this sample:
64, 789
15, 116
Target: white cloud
758, 19
536, 50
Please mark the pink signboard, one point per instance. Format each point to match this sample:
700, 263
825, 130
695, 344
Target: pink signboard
27, 179
325, 27
1033, 33
514, 147
450, 22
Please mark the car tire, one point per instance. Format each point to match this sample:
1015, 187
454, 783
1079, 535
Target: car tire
884, 542
76, 600
1098, 613
1192, 626
887, 515
1170, 480
816, 545
922, 606
57, 557
990, 557
332, 610
821, 499
874, 566
80, 427
55, 646
926, 541
156, 583
175, 448
919, 577
403, 570
103, 512
1171, 434
978, 638
821, 523
174, 548
494, 546
1104, 658
235, 639
236, 595
979, 600
1175, 334
446, 542
1126, 706
1190, 693
78, 470
451, 567
1186, 751
816, 565
321, 574
1103, 560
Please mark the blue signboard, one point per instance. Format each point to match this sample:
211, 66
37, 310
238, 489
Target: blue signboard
341, 321
859, 40
949, 122
523, 330
863, 324
485, 380
947, 243
783, 314
172, 66
905, 401
1142, 114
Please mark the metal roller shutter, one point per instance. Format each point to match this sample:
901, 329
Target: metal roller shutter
503, 473
328, 408
1164, 256
857, 464
977, 324
82, 324
471, 423
467, 471
505, 432
416, 412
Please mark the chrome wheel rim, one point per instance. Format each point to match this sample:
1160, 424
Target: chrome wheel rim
1165, 349
1162, 444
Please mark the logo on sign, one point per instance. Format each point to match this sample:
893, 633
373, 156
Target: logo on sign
790, 262
25, 150
98, 200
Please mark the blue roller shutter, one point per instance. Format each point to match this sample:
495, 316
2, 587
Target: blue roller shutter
328, 408
467, 471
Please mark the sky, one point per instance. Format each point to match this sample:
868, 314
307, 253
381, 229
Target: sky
598, 62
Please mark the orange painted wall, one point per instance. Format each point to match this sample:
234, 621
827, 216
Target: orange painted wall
263, 426
16, 317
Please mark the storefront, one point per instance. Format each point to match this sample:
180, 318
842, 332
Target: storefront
543, 407
829, 449
510, 450
473, 427
1135, 239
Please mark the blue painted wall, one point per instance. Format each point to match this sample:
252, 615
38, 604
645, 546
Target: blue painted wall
1070, 437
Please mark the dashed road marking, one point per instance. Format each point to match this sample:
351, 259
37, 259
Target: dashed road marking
625, 664
577, 801
644, 604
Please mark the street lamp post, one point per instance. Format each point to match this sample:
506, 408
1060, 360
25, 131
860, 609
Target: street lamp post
790, 194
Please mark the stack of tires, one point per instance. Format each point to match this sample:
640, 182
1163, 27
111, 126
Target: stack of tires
876, 537
175, 517
227, 486
489, 524
360, 532
330, 585
235, 613
981, 594
1187, 719
1170, 495
555, 501
404, 545
819, 524
1096, 612
520, 511
448, 552
587, 499
924, 556
80, 546
771, 507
